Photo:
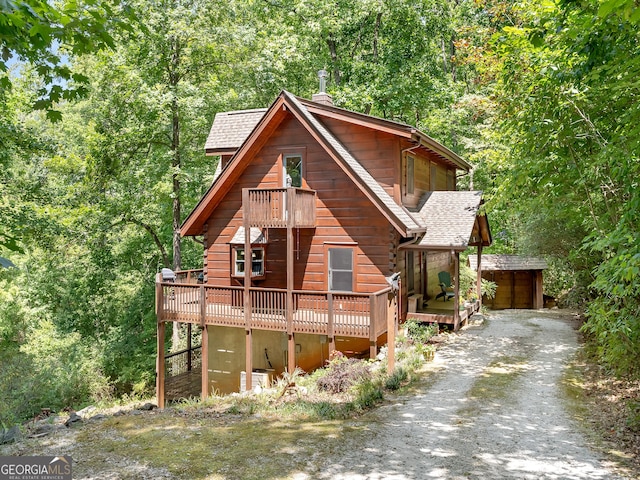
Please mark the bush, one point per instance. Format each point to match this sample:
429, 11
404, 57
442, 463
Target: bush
395, 380
342, 373
419, 332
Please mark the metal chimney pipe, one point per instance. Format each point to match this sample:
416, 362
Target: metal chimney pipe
322, 75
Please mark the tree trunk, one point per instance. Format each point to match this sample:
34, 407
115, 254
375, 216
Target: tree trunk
174, 79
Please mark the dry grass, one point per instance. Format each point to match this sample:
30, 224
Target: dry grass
608, 408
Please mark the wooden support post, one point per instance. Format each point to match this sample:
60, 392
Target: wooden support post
205, 362
291, 353
373, 345
392, 325
330, 335
248, 360
189, 350
160, 365
247, 286
290, 272
456, 290
479, 275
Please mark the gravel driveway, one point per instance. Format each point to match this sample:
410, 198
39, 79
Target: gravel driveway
494, 411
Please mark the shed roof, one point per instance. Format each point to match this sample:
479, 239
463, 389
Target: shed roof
231, 129
450, 218
508, 262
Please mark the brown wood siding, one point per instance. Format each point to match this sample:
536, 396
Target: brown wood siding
377, 151
343, 215
424, 163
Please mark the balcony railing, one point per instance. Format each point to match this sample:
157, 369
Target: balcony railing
280, 207
322, 313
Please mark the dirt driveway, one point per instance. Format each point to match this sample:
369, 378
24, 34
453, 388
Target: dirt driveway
494, 411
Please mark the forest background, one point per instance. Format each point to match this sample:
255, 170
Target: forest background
105, 107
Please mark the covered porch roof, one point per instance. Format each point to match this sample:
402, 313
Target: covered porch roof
453, 221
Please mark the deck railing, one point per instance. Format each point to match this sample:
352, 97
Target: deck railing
275, 207
323, 313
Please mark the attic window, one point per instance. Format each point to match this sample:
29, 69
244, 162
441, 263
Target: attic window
292, 170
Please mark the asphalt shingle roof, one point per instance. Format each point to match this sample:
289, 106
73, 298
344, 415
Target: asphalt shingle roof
231, 129
367, 179
508, 262
449, 217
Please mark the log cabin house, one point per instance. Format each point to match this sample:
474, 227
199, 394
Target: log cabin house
337, 205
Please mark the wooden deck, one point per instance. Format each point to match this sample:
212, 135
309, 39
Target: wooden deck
443, 313
320, 313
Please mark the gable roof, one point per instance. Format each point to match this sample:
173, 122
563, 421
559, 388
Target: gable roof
397, 215
230, 129
508, 262
452, 220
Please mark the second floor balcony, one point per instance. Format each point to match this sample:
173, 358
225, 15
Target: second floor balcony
280, 207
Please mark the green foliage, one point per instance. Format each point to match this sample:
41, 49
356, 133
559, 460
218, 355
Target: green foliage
396, 379
419, 332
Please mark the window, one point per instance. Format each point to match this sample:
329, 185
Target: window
341, 269
292, 169
257, 262
410, 174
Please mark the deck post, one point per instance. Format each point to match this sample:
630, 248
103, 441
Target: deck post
289, 310
392, 322
373, 345
456, 290
331, 338
479, 275
248, 269
160, 365
204, 361
248, 359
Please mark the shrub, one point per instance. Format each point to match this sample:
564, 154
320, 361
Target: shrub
342, 373
395, 380
419, 332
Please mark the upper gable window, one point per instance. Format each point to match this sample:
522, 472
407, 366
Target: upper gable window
292, 170
410, 174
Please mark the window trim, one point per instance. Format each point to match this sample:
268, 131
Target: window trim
234, 261
286, 156
354, 264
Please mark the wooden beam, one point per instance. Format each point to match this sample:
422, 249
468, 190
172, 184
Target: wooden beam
248, 360
205, 362
330, 334
290, 283
479, 274
456, 290
373, 346
392, 322
160, 365
291, 353
248, 267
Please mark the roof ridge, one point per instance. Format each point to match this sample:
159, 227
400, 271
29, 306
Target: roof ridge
369, 181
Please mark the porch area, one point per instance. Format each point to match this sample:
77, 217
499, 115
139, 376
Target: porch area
443, 312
